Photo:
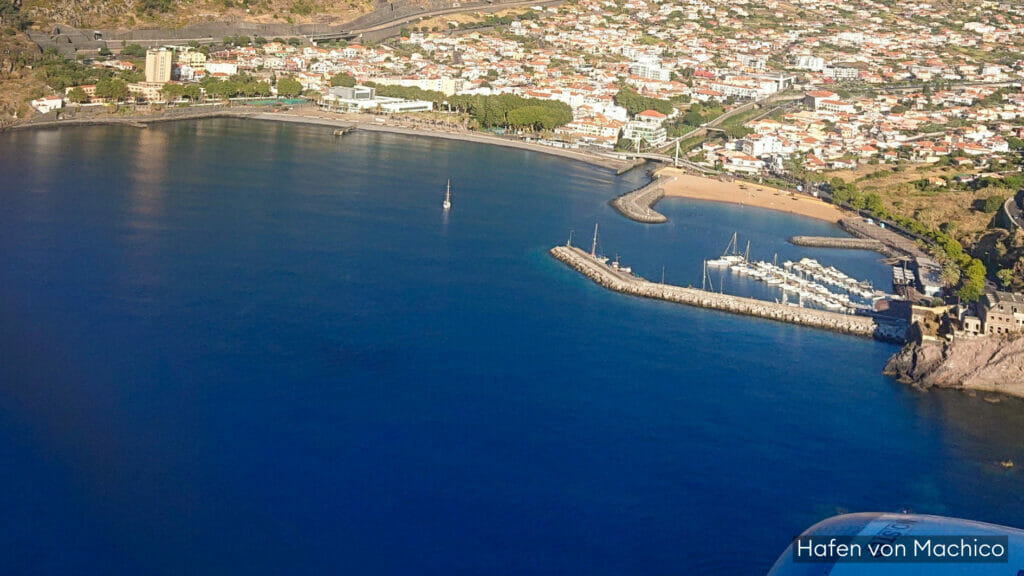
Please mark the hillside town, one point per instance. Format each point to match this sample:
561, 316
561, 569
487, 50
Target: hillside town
863, 102
958, 93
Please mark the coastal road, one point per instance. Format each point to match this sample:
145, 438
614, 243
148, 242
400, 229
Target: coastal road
456, 10
1013, 212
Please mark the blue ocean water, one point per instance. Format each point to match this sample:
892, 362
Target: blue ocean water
247, 347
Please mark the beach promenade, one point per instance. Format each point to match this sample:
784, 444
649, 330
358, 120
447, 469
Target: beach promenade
313, 116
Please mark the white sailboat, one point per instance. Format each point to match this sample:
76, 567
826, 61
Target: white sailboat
727, 259
448, 197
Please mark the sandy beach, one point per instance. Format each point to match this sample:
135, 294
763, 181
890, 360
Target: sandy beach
679, 184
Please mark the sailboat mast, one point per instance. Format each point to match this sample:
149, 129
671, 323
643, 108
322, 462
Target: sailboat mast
593, 247
746, 257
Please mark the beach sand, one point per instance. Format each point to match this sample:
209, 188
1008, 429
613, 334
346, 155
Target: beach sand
679, 184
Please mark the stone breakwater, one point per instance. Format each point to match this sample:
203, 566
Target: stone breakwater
638, 204
832, 242
893, 243
619, 281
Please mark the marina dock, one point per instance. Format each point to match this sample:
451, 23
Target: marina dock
622, 281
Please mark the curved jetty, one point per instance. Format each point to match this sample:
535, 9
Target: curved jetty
833, 242
626, 283
637, 205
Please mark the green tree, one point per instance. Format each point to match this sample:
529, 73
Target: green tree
10, 14
288, 87
993, 203
133, 51
78, 96
152, 6
635, 103
973, 282
192, 92
1005, 277
112, 88
342, 79
172, 92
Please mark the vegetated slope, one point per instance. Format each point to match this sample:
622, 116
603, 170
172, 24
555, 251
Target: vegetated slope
17, 83
173, 13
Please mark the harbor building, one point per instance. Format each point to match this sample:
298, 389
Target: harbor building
158, 65
1002, 312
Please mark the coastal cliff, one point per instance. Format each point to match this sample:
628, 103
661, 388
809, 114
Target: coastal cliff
989, 363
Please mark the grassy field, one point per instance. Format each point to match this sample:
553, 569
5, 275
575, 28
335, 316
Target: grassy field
936, 207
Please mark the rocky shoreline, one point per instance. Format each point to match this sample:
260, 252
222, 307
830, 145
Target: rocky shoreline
984, 364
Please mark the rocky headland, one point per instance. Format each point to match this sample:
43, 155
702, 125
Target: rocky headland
985, 363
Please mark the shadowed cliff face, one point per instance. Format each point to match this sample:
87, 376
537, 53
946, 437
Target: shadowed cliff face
994, 364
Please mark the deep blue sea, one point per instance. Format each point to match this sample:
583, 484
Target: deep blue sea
241, 347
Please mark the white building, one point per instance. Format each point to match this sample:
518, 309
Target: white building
158, 65
650, 70
841, 72
221, 67
365, 99
446, 85
647, 126
758, 145
48, 104
736, 161
812, 63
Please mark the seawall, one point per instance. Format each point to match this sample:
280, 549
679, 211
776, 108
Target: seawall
833, 242
638, 204
619, 281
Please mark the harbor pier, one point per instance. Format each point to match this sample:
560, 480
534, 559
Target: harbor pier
627, 283
834, 242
